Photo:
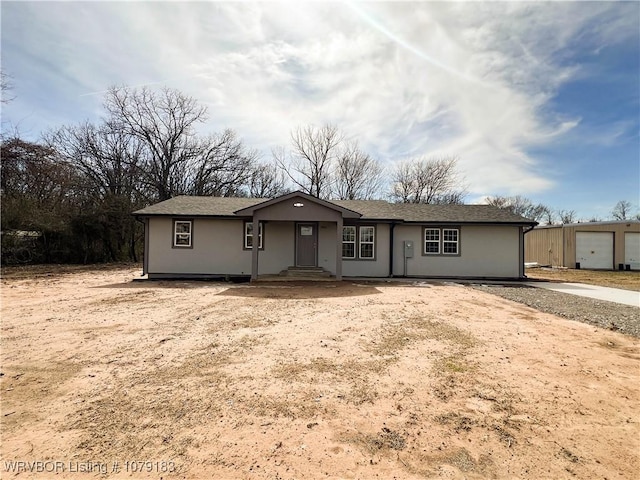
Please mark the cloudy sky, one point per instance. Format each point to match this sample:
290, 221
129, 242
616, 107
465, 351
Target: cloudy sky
538, 99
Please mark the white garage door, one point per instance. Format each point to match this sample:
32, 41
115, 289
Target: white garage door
594, 250
632, 250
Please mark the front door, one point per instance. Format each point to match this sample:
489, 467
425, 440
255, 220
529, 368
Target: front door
306, 244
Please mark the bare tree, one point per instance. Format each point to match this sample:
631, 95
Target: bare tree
357, 175
403, 183
108, 158
107, 163
567, 216
520, 206
165, 122
175, 159
548, 216
34, 175
221, 167
622, 210
267, 181
451, 198
428, 180
36, 192
310, 162
5, 87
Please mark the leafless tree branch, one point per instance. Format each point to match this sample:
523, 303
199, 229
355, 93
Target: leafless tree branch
310, 162
357, 176
428, 180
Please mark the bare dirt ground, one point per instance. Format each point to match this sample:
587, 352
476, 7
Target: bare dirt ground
289, 381
605, 278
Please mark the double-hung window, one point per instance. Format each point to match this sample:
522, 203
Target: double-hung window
348, 242
249, 234
441, 241
367, 242
450, 241
432, 240
182, 230
358, 242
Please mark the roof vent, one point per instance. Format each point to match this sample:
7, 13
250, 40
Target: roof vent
298, 204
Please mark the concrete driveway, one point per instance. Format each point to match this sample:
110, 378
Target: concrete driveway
617, 295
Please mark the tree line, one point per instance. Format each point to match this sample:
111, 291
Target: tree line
623, 210
68, 198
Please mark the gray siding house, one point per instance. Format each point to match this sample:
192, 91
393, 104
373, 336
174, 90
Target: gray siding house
205, 237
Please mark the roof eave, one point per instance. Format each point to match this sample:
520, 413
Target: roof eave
190, 215
248, 211
468, 222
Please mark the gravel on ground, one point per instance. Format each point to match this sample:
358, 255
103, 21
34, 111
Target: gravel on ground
603, 314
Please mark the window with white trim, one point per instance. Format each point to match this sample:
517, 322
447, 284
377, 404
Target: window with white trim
248, 235
182, 233
441, 241
432, 241
367, 242
450, 241
348, 241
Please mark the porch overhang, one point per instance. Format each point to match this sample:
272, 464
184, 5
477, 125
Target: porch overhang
298, 207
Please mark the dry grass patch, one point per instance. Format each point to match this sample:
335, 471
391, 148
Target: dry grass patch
615, 279
465, 422
153, 409
139, 422
354, 379
392, 338
348, 369
23, 272
137, 296
456, 421
462, 459
374, 443
456, 363
228, 315
303, 405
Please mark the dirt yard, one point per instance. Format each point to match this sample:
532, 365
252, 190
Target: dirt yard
103, 377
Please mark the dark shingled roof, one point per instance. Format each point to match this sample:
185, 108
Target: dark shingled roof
370, 209
200, 206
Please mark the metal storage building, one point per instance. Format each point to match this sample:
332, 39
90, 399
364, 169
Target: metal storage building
591, 245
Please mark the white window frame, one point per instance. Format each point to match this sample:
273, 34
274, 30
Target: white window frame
183, 235
437, 241
248, 235
353, 242
455, 242
371, 242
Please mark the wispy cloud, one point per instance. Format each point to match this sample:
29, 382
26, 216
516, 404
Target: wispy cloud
470, 79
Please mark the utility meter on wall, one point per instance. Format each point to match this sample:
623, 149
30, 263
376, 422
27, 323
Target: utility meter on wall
408, 249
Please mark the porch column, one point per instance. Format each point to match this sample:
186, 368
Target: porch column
339, 249
255, 246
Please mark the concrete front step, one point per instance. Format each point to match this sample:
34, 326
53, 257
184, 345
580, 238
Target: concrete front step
284, 279
310, 272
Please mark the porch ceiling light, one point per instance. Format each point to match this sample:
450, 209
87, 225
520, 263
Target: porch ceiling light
298, 204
